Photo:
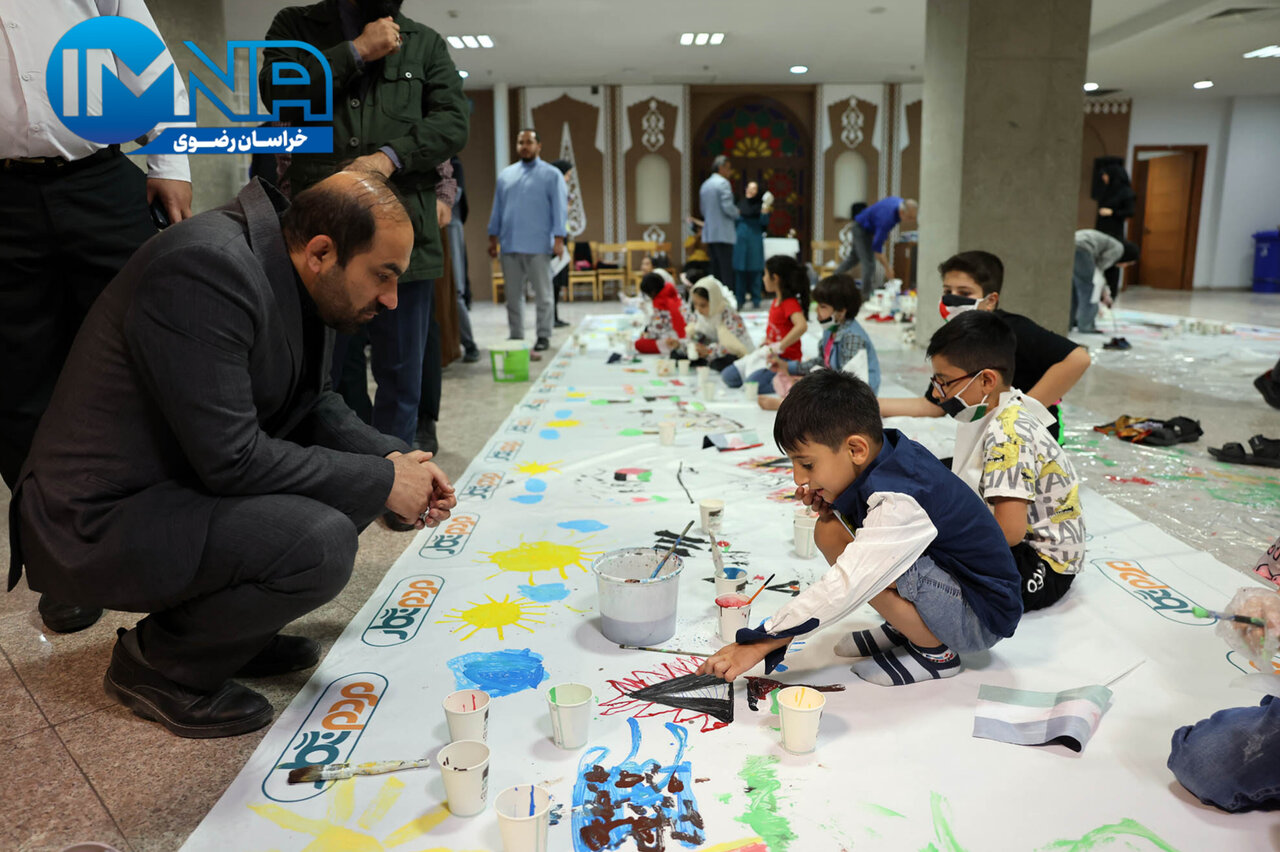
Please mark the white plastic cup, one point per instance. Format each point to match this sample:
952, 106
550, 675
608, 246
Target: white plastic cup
666, 433
708, 392
665, 366
800, 711
703, 373
803, 535
751, 391
733, 582
682, 367
582, 347
524, 817
712, 515
464, 765
735, 612
467, 712
570, 708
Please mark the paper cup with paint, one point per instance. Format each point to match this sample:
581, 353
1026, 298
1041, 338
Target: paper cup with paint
704, 374
524, 817
682, 367
665, 366
800, 711
667, 433
571, 707
464, 765
732, 583
708, 391
634, 609
751, 391
712, 515
802, 531
467, 712
735, 613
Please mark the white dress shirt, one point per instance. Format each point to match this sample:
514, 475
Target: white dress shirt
28, 125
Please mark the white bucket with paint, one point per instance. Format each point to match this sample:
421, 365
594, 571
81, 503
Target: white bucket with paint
635, 610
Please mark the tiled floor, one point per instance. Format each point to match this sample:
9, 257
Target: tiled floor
80, 768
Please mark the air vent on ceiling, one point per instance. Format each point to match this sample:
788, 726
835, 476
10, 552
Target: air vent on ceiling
1240, 12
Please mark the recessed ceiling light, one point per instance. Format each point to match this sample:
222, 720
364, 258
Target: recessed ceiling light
1202, 84
1091, 87
456, 43
799, 69
686, 39
463, 74
485, 41
717, 38
470, 41
701, 39
1271, 50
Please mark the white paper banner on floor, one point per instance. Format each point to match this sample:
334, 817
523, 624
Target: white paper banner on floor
500, 598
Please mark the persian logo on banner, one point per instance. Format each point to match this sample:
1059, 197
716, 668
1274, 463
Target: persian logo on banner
1164, 599
403, 612
505, 451
328, 735
451, 537
481, 486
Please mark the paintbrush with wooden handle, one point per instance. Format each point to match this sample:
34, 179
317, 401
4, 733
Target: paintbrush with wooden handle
318, 772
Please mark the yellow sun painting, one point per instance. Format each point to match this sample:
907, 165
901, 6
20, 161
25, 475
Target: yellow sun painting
335, 834
532, 557
563, 424
496, 615
534, 468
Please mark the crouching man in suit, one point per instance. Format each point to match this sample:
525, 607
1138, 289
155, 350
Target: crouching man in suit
193, 464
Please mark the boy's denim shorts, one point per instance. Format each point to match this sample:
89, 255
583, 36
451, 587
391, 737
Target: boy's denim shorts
942, 607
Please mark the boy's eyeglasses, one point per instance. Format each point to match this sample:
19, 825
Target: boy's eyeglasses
940, 387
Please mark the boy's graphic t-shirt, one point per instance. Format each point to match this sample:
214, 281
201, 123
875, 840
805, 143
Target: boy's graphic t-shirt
1020, 459
780, 326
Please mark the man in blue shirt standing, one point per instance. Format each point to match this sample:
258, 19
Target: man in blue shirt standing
719, 232
870, 229
528, 222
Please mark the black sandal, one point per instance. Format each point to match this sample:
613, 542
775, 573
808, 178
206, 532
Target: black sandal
1234, 453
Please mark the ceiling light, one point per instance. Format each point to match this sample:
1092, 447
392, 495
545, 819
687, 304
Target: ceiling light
701, 39
463, 74
485, 41
1091, 87
456, 43
470, 41
717, 38
1202, 84
686, 39
799, 69
1271, 50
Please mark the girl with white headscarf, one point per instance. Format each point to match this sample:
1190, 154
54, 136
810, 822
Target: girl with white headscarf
717, 335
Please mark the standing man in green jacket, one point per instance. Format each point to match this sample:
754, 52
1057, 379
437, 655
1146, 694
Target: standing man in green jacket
398, 109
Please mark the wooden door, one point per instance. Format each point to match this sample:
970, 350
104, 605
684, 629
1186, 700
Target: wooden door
1165, 221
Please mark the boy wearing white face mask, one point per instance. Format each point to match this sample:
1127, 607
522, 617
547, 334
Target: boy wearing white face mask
1005, 452
1046, 365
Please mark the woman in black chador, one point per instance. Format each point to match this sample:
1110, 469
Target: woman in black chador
1116, 198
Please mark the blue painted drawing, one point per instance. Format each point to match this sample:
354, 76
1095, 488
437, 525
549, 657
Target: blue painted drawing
499, 673
549, 434
545, 594
584, 526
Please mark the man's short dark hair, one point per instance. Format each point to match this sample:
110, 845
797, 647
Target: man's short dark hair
1131, 252
982, 266
524, 130
974, 341
841, 292
651, 284
348, 216
825, 408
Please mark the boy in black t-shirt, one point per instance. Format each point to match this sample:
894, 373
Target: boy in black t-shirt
1046, 365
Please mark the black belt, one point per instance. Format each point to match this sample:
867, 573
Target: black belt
57, 165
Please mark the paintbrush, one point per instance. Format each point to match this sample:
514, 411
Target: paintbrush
679, 539
1201, 612
763, 586
318, 772
664, 651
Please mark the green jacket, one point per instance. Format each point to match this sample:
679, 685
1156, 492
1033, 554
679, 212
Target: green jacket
415, 105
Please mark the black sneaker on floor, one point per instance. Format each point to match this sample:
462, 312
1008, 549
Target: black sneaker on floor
561, 324
1266, 386
227, 711
471, 356
542, 345
67, 618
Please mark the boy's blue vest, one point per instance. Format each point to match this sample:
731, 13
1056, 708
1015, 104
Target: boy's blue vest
970, 545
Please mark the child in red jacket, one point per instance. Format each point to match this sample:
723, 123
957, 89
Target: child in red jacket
665, 331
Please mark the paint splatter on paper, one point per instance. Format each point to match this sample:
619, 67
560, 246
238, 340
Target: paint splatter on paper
763, 687
495, 615
548, 593
534, 557
760, 774
499, 673
583, 526
624, 703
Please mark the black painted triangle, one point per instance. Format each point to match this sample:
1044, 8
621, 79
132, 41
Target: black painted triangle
699, 693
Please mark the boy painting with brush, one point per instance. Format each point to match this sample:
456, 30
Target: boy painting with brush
900, 531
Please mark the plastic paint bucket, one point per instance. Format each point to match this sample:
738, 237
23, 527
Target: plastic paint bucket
635, 610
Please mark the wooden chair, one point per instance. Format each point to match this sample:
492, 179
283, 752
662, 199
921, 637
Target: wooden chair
635, 252
583, 276
498, 279
616, 276
818, 247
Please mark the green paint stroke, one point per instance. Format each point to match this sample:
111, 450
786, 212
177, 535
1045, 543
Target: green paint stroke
724, 798
881, 810
773, 701
942, 826
1100, 837
761, 775
631, 433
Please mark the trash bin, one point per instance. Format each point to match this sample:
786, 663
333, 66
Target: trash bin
1266, 262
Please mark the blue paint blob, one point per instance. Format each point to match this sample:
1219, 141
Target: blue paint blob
549, 434
583, 526
545, 594
734, 573
537, 486
781, 667
564, 412
499, 673
528, 499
